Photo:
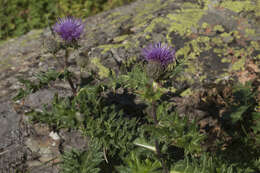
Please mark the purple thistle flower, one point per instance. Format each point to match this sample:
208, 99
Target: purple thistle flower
159, 53
69, 28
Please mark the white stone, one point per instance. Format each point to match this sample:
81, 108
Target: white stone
54, 136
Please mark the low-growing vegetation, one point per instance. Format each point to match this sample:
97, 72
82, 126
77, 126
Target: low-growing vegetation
133, 125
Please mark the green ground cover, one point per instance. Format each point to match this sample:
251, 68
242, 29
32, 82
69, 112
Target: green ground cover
20, 16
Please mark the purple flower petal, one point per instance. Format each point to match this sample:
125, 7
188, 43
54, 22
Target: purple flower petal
160, 53
69, 28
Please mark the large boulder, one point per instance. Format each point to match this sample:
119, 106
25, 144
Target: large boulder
218, 40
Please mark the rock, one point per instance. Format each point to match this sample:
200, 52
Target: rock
34, 163
73, 140
216, 38
44, 169
45, 96
55, 136
45, 146
32, 144
12, 149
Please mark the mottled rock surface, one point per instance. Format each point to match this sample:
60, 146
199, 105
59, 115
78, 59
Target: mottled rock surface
12, 150
219, 40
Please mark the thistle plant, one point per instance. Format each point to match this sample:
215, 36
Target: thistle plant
161, 55
70, 30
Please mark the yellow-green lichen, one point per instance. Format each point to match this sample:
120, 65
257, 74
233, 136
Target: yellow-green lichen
159, 20
197, 49
147, 36
141, 23
205, 25
114, 14
103, 72
183, 51
172, 89
121, 38
191, 68
189, 5
255, 45
225, 36
225, 60
186, 93
202, 77
236, 34
182, 22
218, 50
219, 28
120, 19
239, 6
238, 65
144, 11
205, 41
250, 32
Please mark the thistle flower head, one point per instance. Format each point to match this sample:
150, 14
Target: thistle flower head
69, 28
159, 53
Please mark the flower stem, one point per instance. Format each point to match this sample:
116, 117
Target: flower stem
73, 88
60, 64
158, 151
